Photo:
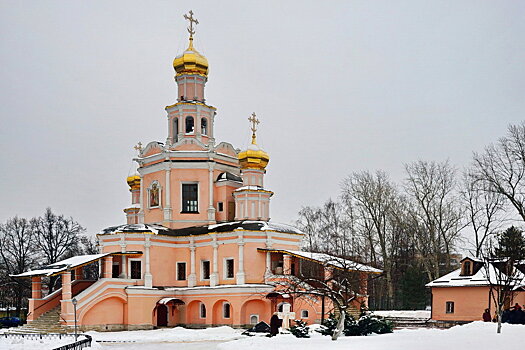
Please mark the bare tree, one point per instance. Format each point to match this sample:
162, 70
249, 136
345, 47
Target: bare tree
501, 256
436, 215
57, 238
336, 278
502, 167
18, 255
376, 200
329, 228
484, 209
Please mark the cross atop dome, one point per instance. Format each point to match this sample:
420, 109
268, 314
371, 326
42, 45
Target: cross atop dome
253, 119
192, 20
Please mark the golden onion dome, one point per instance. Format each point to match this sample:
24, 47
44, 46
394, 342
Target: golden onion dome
133, 182
254, 157
191, 62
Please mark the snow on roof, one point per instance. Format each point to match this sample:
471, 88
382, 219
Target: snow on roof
250, 188
454, 279
327, 259
134, 228
64, 265
275, 226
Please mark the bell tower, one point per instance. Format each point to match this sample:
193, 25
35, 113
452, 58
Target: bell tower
190, 118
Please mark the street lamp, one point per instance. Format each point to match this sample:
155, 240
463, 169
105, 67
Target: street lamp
75, 310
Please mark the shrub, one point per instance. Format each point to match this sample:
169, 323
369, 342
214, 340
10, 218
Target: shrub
300, 330
367, 324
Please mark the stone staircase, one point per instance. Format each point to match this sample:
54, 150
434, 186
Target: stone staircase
352, 311
48, 322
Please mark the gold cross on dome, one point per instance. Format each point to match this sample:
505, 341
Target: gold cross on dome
138, 147
253, 119
192, 20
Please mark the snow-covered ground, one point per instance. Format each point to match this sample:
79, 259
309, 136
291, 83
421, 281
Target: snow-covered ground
476, 335
403, 313
177, 334
37, 344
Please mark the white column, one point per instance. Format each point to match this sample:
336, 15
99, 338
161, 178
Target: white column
148, 278
167, 206
214, 277
269, 244
241, 276
141, 201
124, 263
192, 278
211, 208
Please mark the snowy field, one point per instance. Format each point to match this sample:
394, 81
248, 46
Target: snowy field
476, 335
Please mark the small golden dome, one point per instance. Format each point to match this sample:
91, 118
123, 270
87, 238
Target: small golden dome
254, 157
191, 62
133, 182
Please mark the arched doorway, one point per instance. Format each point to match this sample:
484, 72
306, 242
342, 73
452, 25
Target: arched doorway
162, 315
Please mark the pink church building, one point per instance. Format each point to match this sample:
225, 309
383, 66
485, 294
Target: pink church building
198, 248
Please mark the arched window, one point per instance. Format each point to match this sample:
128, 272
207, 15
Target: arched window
204, 126
203, 311
154, 195
226, 310
190, 125
175, 130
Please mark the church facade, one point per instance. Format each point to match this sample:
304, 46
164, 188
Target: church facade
198, 248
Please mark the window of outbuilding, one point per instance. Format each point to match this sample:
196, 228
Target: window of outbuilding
304, 313
467, 268
449, 307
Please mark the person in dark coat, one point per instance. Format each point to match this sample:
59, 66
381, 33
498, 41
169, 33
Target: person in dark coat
486, 316
275, 323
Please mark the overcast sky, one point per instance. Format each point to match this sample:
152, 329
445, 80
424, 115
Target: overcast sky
339, 87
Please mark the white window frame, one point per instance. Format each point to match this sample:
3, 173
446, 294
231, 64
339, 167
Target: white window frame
198, 196
141, 266
447, 303
202, 270
254, 315
148, 195
185, 271
307, 313
225, 268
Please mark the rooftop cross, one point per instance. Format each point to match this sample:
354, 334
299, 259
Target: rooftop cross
192, 20
253, 119
138, 147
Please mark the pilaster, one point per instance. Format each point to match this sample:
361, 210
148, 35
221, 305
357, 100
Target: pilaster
214, 276
192, 278
241, 276
148, 277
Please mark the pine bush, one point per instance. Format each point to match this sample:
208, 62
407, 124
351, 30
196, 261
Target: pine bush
300, 330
